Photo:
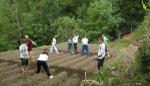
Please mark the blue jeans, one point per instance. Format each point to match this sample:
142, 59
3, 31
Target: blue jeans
85, 50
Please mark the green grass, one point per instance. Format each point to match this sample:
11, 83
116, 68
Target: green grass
111, 72
118, 44
143, 29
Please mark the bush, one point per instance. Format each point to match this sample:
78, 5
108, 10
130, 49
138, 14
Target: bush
143, 61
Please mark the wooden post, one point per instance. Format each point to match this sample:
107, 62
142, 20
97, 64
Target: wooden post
119, 35
85, 76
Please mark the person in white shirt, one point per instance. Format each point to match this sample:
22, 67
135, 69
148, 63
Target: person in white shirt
101, 54
24, 55
42, 61
53, 46
75, 42
84, 48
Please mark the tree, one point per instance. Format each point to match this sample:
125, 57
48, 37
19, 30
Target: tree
67, 26
101, 18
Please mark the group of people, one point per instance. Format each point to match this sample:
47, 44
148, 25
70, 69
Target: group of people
26, 54
72, 45
26, 51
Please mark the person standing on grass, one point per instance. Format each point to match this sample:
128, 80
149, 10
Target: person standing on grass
24, 55
70, 45
84, 48
101, 54
53, 46
42, 61
30, 42
106, 40
75, 42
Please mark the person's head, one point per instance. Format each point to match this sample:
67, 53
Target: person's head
100, 40
26, 36
70, 36
45, 51
103, 35
55, 36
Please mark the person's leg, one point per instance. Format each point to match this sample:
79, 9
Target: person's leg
26, 61
22, 63
38, 66
87, 50
55, 48
75, 46
102, 62
98, 64
31, 56
45, 66
82, 50
68, 48
51, 48
72, 49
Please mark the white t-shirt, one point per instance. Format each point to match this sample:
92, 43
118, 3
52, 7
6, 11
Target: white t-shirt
54, 41
75, 39
23, 51
43, 57
84, 41
101, 51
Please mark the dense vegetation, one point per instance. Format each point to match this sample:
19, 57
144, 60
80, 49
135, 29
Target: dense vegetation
40, 19
142, 60
141, 65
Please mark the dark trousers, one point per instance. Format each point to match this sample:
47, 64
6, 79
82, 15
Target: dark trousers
24, 61
100, 63
45, 66
71, 48
85, 50
75, 46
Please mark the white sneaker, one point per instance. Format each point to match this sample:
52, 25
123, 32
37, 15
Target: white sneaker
50, 77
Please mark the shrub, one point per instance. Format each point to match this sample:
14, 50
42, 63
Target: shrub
143, 61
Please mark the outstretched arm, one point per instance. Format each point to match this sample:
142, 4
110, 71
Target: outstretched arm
34, 43
57, 35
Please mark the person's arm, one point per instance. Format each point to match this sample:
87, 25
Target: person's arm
99, 51
46, 57
57, 35
34, 42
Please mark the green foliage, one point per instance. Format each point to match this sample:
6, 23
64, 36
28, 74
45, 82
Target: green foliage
132, 13
143, 29
146, 4
67, 26
41, 19
101, 17
142, 60
119, 44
